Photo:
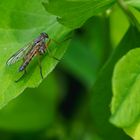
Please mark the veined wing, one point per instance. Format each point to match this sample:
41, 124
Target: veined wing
19, 54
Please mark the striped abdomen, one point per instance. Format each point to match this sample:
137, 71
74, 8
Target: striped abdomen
27, 61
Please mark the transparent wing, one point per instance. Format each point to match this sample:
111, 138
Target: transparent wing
19, 54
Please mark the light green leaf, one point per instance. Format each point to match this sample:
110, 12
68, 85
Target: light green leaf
102, 90
125, 103
119, 25
21, 22
126, 98
34, 110
74, 13
136, 13
134, 130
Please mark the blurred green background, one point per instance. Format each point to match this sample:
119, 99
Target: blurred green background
61, 107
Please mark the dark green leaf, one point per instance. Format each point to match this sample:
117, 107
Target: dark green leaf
86, 52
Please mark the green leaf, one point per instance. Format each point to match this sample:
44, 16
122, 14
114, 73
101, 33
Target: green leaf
34, 110
102, 91
126, 98
80, 61
87, 51
134, 3
119, 25
134, 130
125, 103
74, 13
136, 13
22, 21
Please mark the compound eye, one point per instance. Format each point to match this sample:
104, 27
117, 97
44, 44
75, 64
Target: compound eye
45, 35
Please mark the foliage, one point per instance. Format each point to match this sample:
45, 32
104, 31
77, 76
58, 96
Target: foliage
76, 12
24, 20
94, 92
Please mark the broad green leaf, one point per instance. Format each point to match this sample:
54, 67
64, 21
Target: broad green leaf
126, 97
22, 21
125, 102
34, 110
102, 90
73, 13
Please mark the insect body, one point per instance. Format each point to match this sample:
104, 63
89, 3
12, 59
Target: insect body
38, 46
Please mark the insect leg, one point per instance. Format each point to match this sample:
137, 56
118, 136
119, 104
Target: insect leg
56, 42
49, 51
21, 76
59, 43
40, 67
50, 55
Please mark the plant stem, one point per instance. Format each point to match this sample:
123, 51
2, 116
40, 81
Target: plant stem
129, 14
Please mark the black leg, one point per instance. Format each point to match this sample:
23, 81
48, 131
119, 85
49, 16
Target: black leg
55, 58
40, 67
21, 76
59, 43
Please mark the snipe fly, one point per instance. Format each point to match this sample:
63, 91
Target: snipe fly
36, 47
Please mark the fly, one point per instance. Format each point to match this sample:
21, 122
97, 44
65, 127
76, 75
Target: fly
37, 47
